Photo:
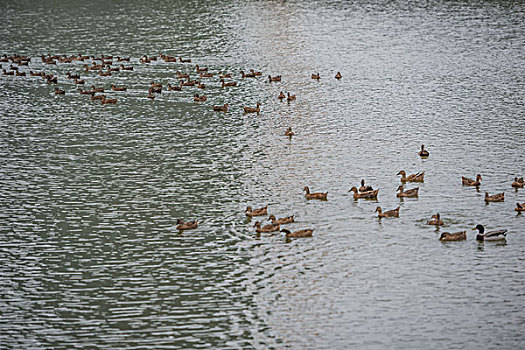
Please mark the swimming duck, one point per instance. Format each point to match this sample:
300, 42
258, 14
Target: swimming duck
123, 59
456, 236
123, 67
499, 197
281, 96
175, 88
231, 83
366, 195
423, 153
185, 60
338, 76
394, 213
97, 97
364, 188
315, 195
417, 177
182, 75
94, 89
520, 207
155, 85
298, 234
70, 76
206, 75
188, 225
118, 88
223, 108
224, 75
272, 79
79, 82
198, 98
253, 110
282, 221
108, 101
201, 85
157, 90
85, 92
266, 228
8, 73
249, 75
200, 69
316, 76
289, 132
435, 220
518, 183
102, 74
290, 97
469, 182
59, 92
150, 95
255, 73
256, 212
21, 74
412, 193
491, 235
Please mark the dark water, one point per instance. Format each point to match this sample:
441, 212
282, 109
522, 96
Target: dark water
89, 194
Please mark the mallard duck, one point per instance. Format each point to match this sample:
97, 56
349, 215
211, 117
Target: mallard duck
520, 207
249, 75
59, 92
123, 67
114, 69
338, 75
200, 69
281, 96
499, 197
289, 132
22, 74
412, 193
435, 220
198, 98
316, 76
417, 177
256, 73
108, 101
8, 73
491, 235
518, 183
118, 88
185, 60
253, 110
231, 83
175, 88
266, 228
298, 234
188, 225
155, 85
364, 188
366, 195
256, 212
315, 195
223, 108
274, 79
469, 182
282, 221
456, 236
290, 97
123, 59
423, 153
189, 82
394, 213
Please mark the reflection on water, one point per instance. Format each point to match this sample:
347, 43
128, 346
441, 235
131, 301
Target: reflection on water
90, 194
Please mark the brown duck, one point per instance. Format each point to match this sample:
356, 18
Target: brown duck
298, 234
289, 132
266, 228
499, 197
281, 221
188, 225
366, 195
364, 188
469, 182
412, 193
520, 207
394, 213
223, 108
435, 220
253, 110
256, 212
518, 183
315, 195
423, 153
456, 236
417, 177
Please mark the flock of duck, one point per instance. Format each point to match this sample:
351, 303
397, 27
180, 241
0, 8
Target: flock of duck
105, 66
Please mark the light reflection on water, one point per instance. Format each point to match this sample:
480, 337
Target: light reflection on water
90, 194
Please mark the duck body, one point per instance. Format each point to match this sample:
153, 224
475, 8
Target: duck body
253, 110
223, 108
456, 236
315, 195
188, 225
118, 88
108, 101
198, 98
367, 194
499, 197
281, 96
364, 188
417, 177
394, 213
256, 212
274, 79
289, 132
518, 183
282, 221
469, 182
412, 193
423, 153
338, 75
290, 97
225, 84
266, 228
520, 207
316, 76
497, 235
298, 234
435, 220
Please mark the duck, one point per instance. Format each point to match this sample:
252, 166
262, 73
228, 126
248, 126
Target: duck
520, 207
423, 153
123, 67
206, 75
182, 75
298, 234
266, 228
8, 73
315, 195
281, 96
316, 76
231, 83
499, 197
201, 85
256, 73
365, 195
150, 96
70, 76
102, 74
282, 221
51, 79
118, 88
200, 69
417, 177
21, 74
84, 92
224, 75
456, 236
59, 92
289, 132
198, 98
189, 82
109, 101
249, 75
175, 88
394, 213
338, 75
94, 89
97, 97
364, 188
256, 212
223, 108
290, 97
157, 90
491, 235
155, 85
79, 82
435, 220
469, 182
253, 110
274, 79
188, 225
412, 193
123, 59
115, 69
518, 183
185, 60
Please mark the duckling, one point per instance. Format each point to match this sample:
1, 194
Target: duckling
520, 207
315, 195
418, 177
338, 75
364, 188
289, 132
499, 197
281, 96
491, 235
59, 92
316, 76
253, 110
266, 228
290, 97
423, 153
456, 236
282, 221
118, 88
109, 101
198, 98
518, 183
435, 220
366, 195
189, 225
274, 79
256, 212
249, 75
412, 193
231, 83
394, 213
175, 88
223, 108
298, 234
469, 182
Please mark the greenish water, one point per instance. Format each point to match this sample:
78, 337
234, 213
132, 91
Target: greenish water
90, 193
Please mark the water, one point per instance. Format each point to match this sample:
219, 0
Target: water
89, 194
